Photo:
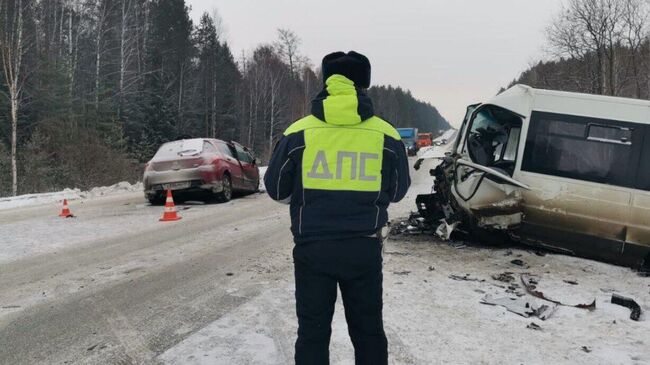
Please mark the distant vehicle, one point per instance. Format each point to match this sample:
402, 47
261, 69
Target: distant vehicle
425, 139
200, 164
409, 138
559, 170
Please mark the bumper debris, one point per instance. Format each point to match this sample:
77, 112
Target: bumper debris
629, 303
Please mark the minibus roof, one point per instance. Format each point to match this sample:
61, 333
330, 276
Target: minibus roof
522, 99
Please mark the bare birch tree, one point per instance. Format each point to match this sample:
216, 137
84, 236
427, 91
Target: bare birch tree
287, 47
12, 51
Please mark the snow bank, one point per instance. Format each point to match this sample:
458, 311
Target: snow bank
70, 194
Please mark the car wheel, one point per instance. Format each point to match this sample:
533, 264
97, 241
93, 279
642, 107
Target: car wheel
226, 193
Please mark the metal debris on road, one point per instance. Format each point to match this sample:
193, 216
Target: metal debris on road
523, 307
629, 303
518, 262
530, 285
534, 326
466, 277
415, 224
506, 277
572, 282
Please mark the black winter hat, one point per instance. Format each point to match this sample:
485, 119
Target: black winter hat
352, 65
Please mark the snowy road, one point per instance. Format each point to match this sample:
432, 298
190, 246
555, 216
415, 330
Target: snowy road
116, 286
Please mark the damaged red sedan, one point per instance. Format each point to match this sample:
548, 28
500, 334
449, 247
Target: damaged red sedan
213, 166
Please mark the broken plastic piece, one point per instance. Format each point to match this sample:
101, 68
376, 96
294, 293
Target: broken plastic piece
530, 288
465, 278
522, 307
444, 230
629, 303
534, 326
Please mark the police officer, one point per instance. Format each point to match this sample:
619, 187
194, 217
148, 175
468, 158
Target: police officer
339, 168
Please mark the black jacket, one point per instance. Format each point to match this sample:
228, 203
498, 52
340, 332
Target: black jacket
339, 168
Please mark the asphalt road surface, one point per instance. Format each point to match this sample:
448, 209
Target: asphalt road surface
126, 295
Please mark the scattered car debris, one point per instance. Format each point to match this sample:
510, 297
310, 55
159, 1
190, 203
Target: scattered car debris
93, 346
229, 274
534, 326
445, 229
515, 289
532, 280
530, 285
506, 277
572, 282
466, 277
586, 349
523, 307
518, 262
431, 268
415, 224
629, 303
401, 273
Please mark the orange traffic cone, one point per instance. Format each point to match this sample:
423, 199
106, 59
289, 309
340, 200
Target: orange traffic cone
170, 209
65, 212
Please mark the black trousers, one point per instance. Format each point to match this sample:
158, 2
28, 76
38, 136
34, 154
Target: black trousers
355, 265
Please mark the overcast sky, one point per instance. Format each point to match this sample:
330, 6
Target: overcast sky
450, 53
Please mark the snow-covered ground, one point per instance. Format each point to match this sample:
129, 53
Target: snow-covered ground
431, 317
23, 238
76, 194
69, 194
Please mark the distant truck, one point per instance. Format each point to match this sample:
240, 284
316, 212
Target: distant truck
409, 138
425, 140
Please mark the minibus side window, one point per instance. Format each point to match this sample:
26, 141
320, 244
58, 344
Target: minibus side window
583, 148
643, 173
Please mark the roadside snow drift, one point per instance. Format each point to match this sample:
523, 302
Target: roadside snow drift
69, 194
